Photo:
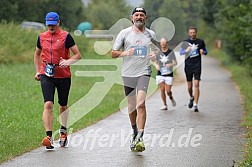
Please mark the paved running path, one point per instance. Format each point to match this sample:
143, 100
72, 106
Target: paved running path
177, 138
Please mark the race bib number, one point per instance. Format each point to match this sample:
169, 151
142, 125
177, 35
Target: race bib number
140, 51
49, 70
194, 53
165, 71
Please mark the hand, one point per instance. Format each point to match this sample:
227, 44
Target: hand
157, 66
169, 65
131, 51
37, 76
153, 56
201, 51
188, 49
63, 63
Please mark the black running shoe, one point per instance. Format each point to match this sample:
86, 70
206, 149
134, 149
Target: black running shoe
196, 109
190, 105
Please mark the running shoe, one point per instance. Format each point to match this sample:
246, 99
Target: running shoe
173, 102
133, 142
163, 108
190, 105
139, 145
48, 142
196, 109
63, 138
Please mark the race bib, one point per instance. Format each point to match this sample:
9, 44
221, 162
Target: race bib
165, 71
140, 51
49, 70
194, 53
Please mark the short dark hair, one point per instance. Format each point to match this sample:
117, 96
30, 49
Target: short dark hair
192, 27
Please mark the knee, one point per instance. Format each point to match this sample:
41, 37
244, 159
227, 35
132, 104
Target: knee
48, 105
162, 89
63, 108
141, 107
196, 86
169, 93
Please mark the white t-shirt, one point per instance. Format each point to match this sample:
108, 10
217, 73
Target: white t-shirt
139, 63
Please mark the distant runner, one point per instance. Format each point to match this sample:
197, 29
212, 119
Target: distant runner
193, 48
164, 64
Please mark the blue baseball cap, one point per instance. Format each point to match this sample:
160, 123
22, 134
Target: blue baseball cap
52, 18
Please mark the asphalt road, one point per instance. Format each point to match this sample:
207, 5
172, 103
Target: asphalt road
178, 137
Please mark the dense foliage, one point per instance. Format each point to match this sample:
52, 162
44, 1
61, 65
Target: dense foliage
232, 21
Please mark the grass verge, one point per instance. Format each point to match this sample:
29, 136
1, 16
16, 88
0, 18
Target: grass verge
22, 105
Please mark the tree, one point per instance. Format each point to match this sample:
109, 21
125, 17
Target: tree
104, 14
172, 10
71, 12
232, 21
8, 10
152, 9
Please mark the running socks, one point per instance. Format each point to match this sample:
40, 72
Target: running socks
49, 133
63, 127
140, 134
135, 131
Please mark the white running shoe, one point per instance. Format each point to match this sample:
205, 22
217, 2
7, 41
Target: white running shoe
163, 108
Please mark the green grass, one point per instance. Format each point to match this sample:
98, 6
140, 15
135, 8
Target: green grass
22, 105
17, 45
242, 78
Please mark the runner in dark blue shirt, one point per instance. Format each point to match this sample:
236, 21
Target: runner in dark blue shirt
193, 48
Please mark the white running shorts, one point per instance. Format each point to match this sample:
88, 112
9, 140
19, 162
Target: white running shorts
166, 79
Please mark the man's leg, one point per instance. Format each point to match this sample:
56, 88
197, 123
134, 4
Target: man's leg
48, 116
63, 87
130, 91
196, 91
163, 95
190, 88
63, 129
189, 77
48, 123
169, 93
141, 110
48, 89
197, 75
63, 115
190, 91
132, 109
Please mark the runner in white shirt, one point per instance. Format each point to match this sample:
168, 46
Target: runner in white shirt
133, 44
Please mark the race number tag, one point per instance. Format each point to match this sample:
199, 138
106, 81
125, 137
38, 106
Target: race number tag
49, 70
194, 53
165, 71
140, 51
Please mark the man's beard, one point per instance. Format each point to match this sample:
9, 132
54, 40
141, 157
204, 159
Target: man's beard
139, 23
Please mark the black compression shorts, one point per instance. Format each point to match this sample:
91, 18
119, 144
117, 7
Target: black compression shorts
48, 86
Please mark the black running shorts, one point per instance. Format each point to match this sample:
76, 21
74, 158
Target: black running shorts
131, 84
193, 73
48, 86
